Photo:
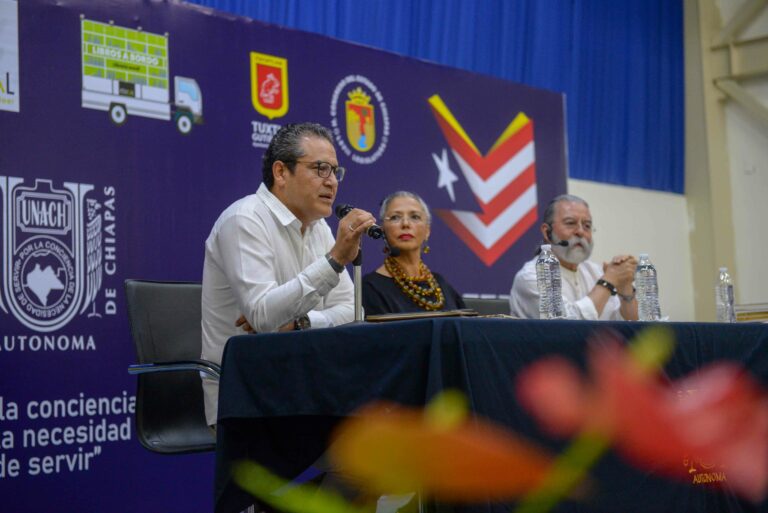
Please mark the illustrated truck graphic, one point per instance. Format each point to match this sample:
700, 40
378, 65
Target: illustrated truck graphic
125, 71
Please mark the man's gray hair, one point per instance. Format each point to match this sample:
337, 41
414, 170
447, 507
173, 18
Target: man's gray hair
549, 213
286, 147
404, 194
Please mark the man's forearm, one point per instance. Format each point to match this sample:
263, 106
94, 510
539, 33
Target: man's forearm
599, 296
333, 316
279, 305
628, 309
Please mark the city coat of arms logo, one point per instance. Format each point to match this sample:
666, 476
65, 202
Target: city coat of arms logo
361, 125
359, 119
269, 84
51, 251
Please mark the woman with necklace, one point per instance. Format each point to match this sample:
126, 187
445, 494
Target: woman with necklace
404, 283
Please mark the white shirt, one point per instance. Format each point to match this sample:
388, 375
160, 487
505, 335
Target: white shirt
258, 264
524, 297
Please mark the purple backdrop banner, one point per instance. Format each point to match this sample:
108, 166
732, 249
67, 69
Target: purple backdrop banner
127, 127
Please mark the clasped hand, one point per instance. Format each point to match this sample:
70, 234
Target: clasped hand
620, 271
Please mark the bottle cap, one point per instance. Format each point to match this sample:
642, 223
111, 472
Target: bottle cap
643, 255
546, 247
723, 269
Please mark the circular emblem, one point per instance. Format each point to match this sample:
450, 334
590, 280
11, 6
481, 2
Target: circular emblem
359, 119
43, 279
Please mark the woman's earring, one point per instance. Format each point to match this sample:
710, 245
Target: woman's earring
426, 247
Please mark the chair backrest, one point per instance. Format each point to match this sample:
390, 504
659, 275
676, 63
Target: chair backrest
488, 306
165, 322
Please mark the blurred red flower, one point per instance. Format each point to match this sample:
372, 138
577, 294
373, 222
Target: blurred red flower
389, 449
718, 415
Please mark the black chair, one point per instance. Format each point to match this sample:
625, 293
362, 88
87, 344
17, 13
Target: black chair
165, 322
488, 306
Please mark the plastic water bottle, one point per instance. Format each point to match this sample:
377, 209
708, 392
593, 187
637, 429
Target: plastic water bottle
724, 297
550, 284
647, 290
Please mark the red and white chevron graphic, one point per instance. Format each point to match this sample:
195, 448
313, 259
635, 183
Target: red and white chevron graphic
503, 182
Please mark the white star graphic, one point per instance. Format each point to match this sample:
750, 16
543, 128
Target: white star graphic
447, 177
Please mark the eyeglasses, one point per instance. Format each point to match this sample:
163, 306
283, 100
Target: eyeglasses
324, 169
398, 219
572, 224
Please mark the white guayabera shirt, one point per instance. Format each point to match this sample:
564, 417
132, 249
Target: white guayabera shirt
524, 296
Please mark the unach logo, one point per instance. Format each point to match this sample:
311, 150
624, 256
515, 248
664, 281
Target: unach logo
51, 251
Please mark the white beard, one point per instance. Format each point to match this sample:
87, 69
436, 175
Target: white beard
573, 254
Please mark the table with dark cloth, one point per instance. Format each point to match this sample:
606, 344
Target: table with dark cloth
281, 394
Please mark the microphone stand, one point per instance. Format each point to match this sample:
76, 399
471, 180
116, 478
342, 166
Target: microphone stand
358, 279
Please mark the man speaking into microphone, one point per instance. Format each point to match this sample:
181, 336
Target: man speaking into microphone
374, 231
271, 262
590, 290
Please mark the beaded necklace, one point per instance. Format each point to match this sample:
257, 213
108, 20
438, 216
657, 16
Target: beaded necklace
429, 297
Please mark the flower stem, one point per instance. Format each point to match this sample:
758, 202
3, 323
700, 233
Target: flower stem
569, 470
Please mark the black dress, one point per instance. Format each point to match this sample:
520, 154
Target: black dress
381, 295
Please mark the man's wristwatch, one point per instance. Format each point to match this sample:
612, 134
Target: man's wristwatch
628, 299
302, 323
336, 266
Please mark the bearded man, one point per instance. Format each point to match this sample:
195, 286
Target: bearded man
590, 291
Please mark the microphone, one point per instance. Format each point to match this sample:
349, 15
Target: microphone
563, 243
374, 232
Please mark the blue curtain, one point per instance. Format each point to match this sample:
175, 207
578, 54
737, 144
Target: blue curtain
620, 64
